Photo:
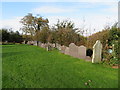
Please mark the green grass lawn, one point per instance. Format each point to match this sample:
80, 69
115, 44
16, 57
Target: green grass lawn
26, 66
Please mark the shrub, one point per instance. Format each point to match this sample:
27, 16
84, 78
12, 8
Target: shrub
114, 61
89, 52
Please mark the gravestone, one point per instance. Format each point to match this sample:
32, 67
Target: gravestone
63, 49
42, 45
28, 42
35, 43
58, 46
67, 51
39, 43
49, 48
82, 52
53, 45
73, 50
97, 51
45, 45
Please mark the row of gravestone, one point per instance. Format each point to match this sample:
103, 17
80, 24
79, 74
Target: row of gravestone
80, 52
48, 46
73, 50
30, 42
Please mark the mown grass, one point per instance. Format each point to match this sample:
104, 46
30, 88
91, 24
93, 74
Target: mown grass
26, 66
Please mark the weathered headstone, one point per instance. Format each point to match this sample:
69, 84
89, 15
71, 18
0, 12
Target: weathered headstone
46, 45
67, 50
39, 43
31, 42
53, 45
43, 45
73, 50
49, 48
58, 46
82, 52
35, 43
28, 42
63, 49
97, 51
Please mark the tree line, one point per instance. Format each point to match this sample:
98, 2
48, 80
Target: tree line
10, 36
64, 32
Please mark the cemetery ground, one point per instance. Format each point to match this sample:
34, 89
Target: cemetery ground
26, 66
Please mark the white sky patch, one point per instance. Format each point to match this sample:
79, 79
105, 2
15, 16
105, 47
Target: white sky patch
113, 9
50, 9
12, 23
93, 23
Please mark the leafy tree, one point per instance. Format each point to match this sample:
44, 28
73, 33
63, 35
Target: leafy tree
52, 38
33, 24
29, 25
42, 35
5, 35
27, 37
66, 33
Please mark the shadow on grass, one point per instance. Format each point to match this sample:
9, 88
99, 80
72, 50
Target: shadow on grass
7, 46
9, 54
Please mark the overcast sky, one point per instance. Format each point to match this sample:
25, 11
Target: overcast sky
94, 14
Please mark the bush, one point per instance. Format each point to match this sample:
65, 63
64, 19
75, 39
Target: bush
89, 52
114, 61
114, 35
110, 58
